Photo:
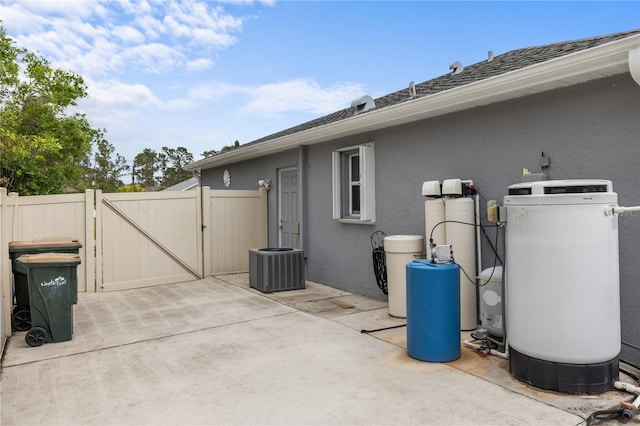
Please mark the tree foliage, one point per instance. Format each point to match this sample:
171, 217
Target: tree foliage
172, 161
153, 170
47, 148
209, 153
43, 146
231, 147
130, 188
108, 167
145, 166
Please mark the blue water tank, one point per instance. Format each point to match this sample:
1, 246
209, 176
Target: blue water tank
433, 311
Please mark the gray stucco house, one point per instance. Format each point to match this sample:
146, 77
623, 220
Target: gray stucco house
578, 102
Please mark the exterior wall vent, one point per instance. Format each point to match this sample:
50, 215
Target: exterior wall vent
363, 104
276, 269
456, 67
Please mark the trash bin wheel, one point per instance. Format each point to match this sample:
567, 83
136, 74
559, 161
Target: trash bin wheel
36, 336
21, 319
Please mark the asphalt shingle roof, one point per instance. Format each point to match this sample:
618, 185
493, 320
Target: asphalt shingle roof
501, 64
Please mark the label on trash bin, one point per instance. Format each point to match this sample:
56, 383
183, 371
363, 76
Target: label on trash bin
56, 282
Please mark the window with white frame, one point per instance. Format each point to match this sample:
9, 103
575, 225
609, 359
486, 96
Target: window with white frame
353, 172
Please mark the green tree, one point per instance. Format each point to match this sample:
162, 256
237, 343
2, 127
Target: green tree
230, 147
145, 166
209, 153
172, 161
43, 146
108, 169
130, 188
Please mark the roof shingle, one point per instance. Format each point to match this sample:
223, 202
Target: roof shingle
501, 64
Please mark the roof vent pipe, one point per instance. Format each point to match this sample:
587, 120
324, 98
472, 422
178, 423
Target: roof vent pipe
490, 56
412, 89
456, 67
363, 104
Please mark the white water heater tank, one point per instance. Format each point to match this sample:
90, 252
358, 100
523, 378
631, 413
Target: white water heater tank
562, 285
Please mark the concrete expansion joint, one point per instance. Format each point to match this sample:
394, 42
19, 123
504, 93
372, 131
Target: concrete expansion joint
137, 342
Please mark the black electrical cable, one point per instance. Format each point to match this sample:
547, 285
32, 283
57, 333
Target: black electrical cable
494, 249
469, 278
382, 329
603, 415
495, 259
631, 346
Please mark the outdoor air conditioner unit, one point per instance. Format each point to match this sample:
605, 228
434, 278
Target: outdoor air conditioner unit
276, 269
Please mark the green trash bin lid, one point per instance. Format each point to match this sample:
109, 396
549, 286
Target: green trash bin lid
49, 258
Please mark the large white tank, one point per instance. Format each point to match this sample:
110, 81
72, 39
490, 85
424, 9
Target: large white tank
461, 234
562, 285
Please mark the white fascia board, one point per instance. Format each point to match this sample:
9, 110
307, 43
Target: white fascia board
601, 61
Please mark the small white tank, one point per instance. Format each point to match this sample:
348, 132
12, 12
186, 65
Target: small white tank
400, 250
491, 316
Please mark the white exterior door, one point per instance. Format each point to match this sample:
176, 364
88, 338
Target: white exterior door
289, 214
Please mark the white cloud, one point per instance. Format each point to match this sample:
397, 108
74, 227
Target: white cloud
154, 58
17, 20
199, 64
151, 26
203, 94
201, 24
210, 37
112, 101
103, 57
135, 7
247, 2
67, 8
300, 95
117, 93
113, 44
128, 34
100, 36
269, 100
213, 91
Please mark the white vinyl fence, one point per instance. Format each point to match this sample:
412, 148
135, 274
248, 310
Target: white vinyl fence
141, 239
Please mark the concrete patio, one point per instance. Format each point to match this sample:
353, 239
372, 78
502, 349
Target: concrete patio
215, 351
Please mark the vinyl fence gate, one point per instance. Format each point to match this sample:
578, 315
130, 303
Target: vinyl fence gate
132, 240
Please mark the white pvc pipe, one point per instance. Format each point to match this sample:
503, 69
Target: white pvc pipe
627, 387
478, 239
630, 408
621, 210
469, 343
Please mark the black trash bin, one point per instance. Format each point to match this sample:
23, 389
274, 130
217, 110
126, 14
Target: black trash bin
52, 282
20, 317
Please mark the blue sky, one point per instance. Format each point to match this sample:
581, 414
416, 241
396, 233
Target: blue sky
202, 74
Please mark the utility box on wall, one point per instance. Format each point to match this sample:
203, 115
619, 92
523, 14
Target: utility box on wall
276, 269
